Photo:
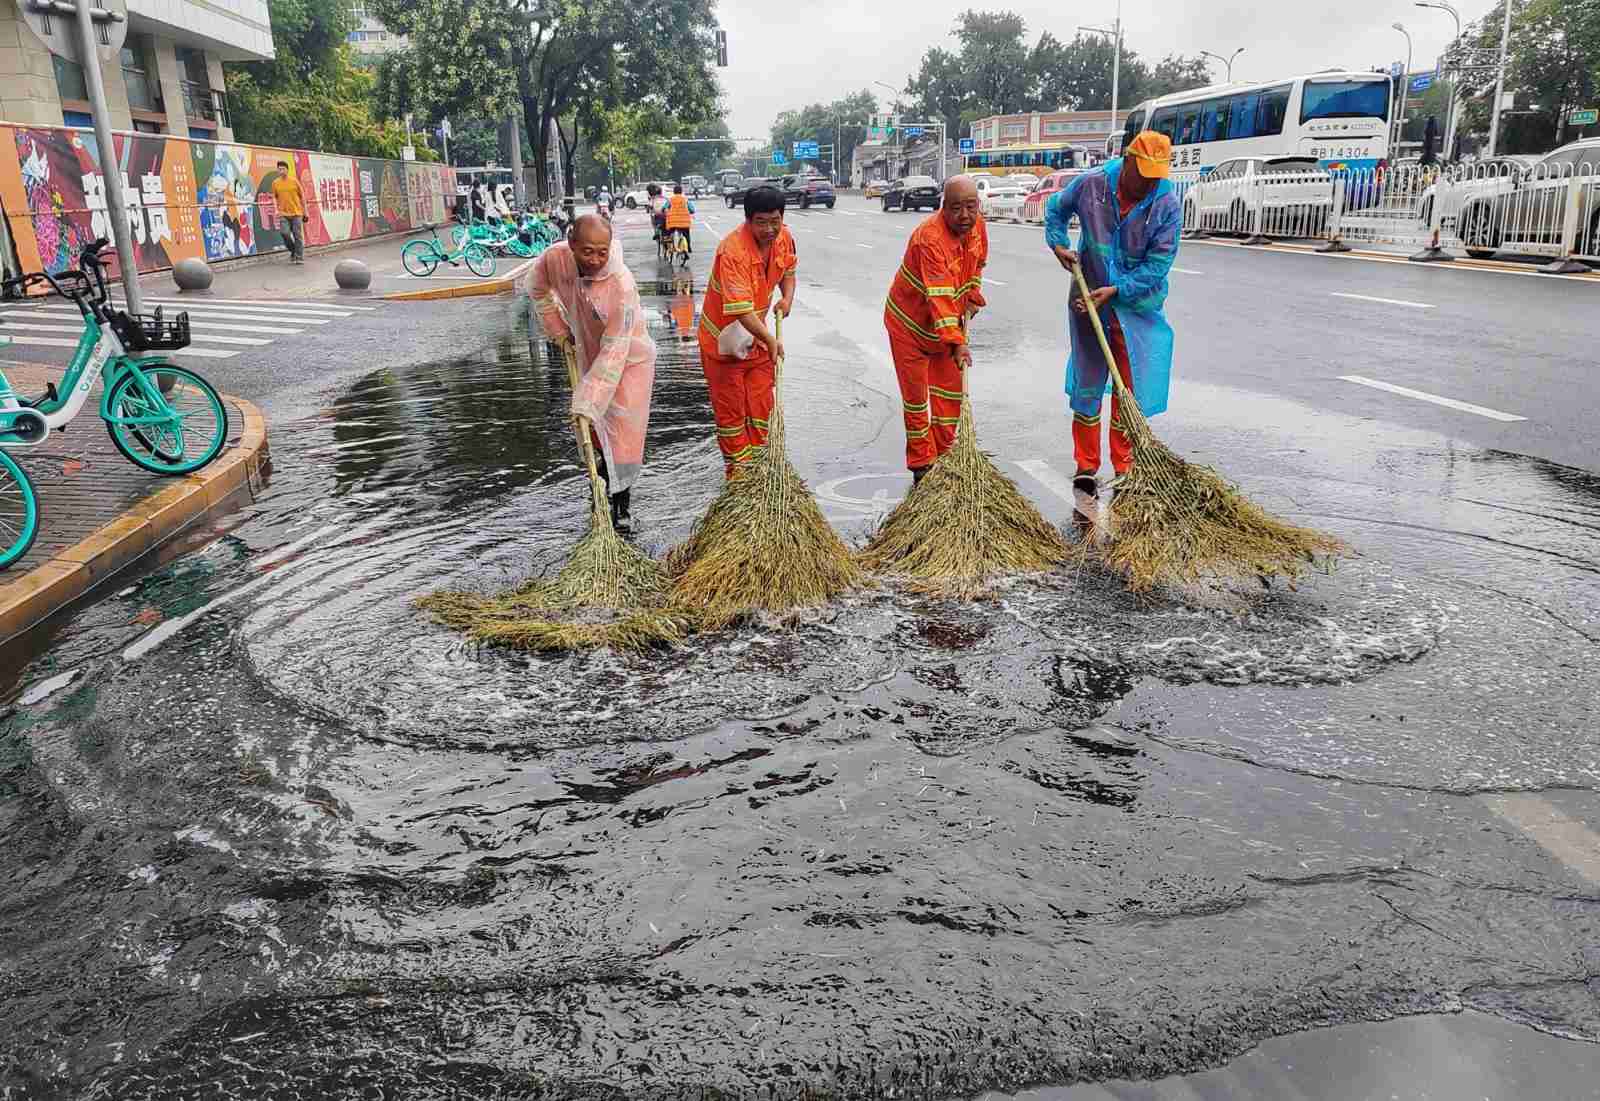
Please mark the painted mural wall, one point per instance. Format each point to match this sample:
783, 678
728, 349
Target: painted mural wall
198, 198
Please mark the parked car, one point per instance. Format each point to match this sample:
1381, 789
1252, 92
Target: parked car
807, 191
1033, 205
1467, 182
1283, 195
912, 193
875, 189
1533, 211
728, 182
736, 196
1025, 180
693, 185
1002, 203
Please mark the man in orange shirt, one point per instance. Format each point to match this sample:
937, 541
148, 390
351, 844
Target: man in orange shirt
936, 289
291, 206
738, 351
680, 217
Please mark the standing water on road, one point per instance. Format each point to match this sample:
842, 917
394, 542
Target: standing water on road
265, 828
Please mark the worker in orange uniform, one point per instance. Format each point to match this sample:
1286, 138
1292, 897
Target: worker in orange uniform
680, 216
936, 289
738, 351
291, 204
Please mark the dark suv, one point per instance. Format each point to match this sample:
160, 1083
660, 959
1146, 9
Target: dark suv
805, 191
912, 193
735, 196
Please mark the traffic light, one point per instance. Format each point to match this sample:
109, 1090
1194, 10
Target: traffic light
722, 49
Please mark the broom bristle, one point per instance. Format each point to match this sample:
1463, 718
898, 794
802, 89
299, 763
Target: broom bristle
1175, 523
963, 524
762, 546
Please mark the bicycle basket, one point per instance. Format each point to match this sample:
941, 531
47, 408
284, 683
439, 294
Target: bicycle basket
144, 333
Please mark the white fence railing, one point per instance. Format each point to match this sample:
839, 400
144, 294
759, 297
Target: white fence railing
1550, 210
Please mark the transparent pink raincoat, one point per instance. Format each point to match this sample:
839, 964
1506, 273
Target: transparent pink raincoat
616, 357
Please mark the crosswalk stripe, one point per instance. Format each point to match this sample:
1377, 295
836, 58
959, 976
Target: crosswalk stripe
194, 323
15, 326
285, 302
54, 342
272, 311
215, 315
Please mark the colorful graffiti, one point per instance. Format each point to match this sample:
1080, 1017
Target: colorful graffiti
197, 198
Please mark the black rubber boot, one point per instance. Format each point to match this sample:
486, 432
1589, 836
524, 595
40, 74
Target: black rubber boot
621, 518
1084, 482
918, 473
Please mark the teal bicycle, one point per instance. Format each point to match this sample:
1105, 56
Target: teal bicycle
422, 256
162, 418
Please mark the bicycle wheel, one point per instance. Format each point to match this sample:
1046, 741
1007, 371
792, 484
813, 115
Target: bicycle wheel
419, 258
190, 428
19, 511
479, 262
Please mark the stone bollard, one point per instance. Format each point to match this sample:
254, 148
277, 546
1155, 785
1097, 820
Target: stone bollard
192, 274
352, 275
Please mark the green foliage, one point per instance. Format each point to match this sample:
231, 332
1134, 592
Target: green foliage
329, 109
1554, 68
307, 37
844, 119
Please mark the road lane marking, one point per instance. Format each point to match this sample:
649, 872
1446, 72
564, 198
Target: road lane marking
832, 237
1047, 477
1385, 301
1448, 403
1566, 839
860, 245
1187, 271
285, 303
995, 282
13, 326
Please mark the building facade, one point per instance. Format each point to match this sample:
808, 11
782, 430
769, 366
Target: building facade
887, 160
1086, 128
370, 37
167, 78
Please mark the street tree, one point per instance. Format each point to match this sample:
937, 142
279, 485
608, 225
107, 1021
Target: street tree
1553, 68
844, 121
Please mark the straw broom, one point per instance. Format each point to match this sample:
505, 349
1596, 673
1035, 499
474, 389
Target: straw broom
963, 524
607, 594
1173, 522
763, 546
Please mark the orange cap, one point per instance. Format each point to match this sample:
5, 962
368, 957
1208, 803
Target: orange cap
1153, 151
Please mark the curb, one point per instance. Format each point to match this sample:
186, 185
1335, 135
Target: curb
52, 585
498, 285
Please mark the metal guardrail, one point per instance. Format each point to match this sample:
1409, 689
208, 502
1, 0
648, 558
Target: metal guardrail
1550, 210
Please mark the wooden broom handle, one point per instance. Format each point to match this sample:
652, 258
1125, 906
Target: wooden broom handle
777, 333
1100, 332
585, 444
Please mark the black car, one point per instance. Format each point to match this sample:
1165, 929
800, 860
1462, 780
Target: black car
735, 196
912, 193
807, 191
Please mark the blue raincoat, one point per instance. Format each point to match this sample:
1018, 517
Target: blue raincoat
1134, 254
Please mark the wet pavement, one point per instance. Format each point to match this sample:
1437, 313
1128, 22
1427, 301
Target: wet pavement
264, 829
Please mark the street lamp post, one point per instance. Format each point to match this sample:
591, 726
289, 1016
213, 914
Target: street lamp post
1500, 83
1115, 34
1228, 61
1450, 104
1405, 86
897, 136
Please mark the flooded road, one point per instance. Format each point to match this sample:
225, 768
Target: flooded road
264, 829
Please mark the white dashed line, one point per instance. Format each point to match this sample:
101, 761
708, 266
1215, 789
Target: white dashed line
1187, 271
1448, 403
860, 245
995, 283
1385, 301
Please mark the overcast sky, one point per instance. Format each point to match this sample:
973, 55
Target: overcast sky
788, 55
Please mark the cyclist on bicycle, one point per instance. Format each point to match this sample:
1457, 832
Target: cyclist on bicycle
658, 210
680, 216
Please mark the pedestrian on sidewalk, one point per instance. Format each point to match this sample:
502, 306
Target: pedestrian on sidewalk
291, 204
738, 352
1130, 219
937, 288
586, 298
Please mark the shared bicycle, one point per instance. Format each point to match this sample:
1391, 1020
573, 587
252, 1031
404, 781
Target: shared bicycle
162, 418
423, 255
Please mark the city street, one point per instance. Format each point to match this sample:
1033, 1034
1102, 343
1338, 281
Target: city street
264, 828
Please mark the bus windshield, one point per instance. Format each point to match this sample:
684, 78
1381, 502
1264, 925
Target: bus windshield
1345, 99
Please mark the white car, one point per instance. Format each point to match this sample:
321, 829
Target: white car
1002, 203
1283, 196
1027, 181
1481, 179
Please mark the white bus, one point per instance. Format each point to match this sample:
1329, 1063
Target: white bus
1340, 118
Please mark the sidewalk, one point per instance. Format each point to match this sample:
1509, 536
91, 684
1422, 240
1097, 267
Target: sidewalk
99, 513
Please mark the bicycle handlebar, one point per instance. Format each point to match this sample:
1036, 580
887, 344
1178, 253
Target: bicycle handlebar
86, 286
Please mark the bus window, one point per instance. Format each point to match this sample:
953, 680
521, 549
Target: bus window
1242, 115
1270, 114
1135, 124
1345, 99
1188, 124
1165, 121
1214, 119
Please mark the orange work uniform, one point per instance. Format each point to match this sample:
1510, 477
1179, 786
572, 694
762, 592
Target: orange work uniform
678, 216
939, 281
741, 282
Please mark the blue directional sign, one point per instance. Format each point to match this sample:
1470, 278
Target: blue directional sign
966, 145
778, 157
1422, 83
913, 131
804, 149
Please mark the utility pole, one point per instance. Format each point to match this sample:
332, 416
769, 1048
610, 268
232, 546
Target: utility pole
444, 136
1115, 32
1500, 83
1228, 61
1450, 104
519, 189
1405, 88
